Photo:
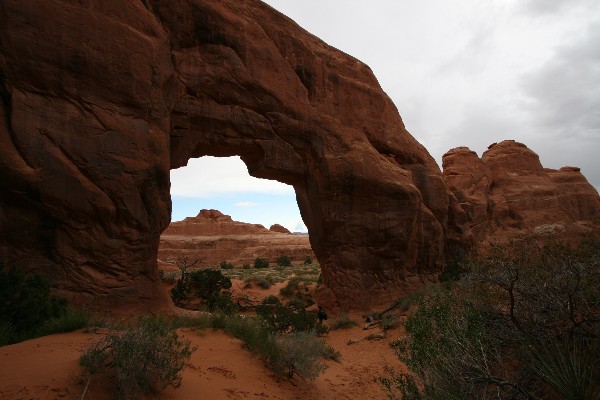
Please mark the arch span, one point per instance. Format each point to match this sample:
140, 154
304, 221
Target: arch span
89, 130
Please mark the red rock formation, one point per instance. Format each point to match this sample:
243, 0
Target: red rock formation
508, 191
213, 237
84, 147
299, 111
99, 99
280, 229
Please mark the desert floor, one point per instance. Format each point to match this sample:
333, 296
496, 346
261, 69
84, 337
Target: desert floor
47, 368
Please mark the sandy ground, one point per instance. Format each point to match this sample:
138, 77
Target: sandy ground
48, 367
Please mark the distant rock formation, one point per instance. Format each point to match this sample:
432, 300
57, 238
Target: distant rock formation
507, 191
279, 228
212, 237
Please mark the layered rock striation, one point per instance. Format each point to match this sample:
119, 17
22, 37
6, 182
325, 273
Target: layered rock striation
212, 237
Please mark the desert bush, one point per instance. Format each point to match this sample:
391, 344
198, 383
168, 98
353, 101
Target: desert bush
308, 260
28, 310
342, 322
330, 353
390, 320
205, 284
299, 353
226, 265
246, 266
261, 263
145, 359
168, 277
222, 302
180, 292
263, 282
291, 287
281, 319
25, 300
284, 261
522, 324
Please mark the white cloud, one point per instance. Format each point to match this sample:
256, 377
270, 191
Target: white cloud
211, 176
246, 204
464, 73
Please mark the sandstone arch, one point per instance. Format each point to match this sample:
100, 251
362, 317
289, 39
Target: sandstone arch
89, 129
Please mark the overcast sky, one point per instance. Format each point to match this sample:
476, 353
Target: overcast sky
462, 73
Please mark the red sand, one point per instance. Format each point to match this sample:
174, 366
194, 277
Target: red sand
47, 368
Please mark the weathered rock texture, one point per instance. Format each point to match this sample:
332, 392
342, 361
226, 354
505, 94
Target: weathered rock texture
84, 146
101, 98
212, 237
507, 191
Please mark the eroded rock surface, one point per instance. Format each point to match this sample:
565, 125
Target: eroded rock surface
507, 191
84, 146
99, 99
212, 237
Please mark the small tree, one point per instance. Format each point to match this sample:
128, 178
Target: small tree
284, 261
261, 263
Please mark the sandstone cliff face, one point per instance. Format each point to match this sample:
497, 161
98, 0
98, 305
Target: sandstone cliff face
84, 146
299, 111
212, 237
508, 191
100, 99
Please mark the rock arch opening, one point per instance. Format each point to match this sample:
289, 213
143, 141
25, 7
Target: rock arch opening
222, 214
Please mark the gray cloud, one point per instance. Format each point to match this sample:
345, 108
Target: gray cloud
563, 98
564, 93
551, 7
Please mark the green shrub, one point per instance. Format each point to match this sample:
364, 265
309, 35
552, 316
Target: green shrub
521, 324
264, 282
308, 260
168, 277
342, 322
299, 353
226, 265
281, 319
261, 263
246, 266
72, 319
180, 292
145, 359
205, 284
291, 287
27, 309
330, 353
222, 302
284, 261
